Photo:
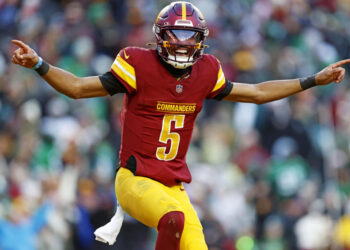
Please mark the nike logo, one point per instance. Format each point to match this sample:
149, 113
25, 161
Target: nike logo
125, 55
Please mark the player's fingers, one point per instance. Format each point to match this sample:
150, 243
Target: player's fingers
19, 50
338, 75
333, 74
21, 44
15, 60
17, 54
28, 56
341, 75
340, 63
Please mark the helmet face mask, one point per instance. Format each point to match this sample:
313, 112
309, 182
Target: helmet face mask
180, 46
180, 30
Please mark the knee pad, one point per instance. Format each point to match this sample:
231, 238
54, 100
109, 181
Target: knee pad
172, 223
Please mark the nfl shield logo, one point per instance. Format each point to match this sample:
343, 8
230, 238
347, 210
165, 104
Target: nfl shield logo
179, 88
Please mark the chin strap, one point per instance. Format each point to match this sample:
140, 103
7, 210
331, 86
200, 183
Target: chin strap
179, 65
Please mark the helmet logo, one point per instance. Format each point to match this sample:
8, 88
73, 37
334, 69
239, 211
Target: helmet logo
184, 23
179, 88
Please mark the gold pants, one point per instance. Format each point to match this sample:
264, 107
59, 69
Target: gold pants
147, 201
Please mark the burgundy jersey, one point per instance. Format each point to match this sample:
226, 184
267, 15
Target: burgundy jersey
159, 111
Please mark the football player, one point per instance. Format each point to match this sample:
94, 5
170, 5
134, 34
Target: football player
164, 91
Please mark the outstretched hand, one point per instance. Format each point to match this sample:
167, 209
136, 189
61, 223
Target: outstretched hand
332, 73
24, 55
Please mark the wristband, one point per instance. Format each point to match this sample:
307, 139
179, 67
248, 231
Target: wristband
43, 68
40, 62
307, 82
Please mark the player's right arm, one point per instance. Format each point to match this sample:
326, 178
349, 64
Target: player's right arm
61, 80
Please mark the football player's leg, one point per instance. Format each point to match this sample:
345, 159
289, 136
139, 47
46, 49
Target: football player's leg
143, 198
192, 235
149, 202
170, 229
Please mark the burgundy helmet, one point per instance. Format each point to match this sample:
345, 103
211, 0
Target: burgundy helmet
180, 30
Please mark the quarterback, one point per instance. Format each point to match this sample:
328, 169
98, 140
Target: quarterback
164, 89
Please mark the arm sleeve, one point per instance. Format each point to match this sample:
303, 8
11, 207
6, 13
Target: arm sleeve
225, 91
112, 84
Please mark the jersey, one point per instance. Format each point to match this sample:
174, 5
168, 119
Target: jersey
159, 111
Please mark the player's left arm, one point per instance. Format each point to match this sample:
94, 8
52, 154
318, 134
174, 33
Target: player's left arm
273, 90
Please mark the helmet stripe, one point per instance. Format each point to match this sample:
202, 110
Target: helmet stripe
184, 14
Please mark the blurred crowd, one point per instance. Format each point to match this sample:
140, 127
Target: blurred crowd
268, 177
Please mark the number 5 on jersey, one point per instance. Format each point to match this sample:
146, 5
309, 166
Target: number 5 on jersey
166, 135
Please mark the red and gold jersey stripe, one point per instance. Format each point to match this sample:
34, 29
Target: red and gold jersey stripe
125, 71
221, 80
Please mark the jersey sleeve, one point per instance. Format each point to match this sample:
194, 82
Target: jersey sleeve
220, 82
124, 70
112, 84
225, 91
